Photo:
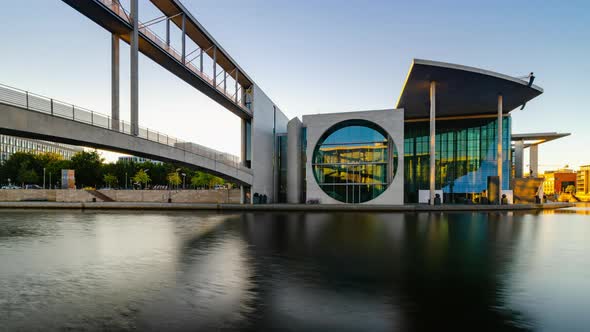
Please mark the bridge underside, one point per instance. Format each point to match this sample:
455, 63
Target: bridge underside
17, 121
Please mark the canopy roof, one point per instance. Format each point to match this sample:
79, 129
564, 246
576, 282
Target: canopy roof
461, 90
537, 138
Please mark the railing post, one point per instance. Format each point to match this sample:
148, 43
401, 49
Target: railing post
73, 112
92, 118
51, 105
27, 92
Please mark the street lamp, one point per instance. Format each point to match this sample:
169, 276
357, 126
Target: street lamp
43, 177
183, 180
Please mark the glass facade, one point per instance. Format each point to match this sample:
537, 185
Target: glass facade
10, 145
354, 161
465, 156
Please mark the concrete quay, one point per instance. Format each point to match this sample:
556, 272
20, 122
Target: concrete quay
413, 208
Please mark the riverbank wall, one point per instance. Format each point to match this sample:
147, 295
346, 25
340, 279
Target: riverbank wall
220, 196
144, 206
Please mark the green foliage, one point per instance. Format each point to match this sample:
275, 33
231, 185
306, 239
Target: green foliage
88, 168
91, 171
174, 179
27, 175
570, 189
110, 180
205, 180
141, 177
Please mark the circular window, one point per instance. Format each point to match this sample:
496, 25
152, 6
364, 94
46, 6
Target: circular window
354, 161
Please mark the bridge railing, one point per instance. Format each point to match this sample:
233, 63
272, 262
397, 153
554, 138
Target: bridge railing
54, 107
115, 7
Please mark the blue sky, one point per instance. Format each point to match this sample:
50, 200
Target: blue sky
317, 57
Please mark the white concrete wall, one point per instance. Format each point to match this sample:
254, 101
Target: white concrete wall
392, 121
294, 171
264, 180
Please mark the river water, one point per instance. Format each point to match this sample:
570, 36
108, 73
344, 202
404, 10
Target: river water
189, 271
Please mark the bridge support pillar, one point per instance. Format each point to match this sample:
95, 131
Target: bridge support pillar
134, 45
115, 82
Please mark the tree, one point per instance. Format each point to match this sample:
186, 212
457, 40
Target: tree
110, 179
570, 189
197, 181
174, 179
88, 167
141, 177
27, 175
13, 165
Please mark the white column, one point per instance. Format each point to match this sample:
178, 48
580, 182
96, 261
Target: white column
242, 194
134, 44
518, 159
294, 168
499, 142
534, 160
115, 82
432, 176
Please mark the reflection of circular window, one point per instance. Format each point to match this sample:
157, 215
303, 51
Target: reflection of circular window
354, 161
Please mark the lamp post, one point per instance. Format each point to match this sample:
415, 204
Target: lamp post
49, 180
183, 180
44, 178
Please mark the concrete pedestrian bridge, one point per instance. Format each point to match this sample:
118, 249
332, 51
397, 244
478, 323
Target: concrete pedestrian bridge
29, 115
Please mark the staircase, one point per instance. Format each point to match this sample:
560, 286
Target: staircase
100, 195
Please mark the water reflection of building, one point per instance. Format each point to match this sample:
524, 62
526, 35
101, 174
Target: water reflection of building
382, 272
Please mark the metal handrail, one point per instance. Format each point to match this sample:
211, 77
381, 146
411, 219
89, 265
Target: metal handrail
118, 9
38, 103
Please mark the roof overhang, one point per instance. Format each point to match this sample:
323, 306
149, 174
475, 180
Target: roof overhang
461, 90
531, 139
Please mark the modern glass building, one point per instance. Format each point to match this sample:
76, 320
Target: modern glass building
463, 112
466, 152
10, 145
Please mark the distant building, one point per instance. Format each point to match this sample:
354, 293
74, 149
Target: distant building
10, 145
138, 160
583, 180
556, 182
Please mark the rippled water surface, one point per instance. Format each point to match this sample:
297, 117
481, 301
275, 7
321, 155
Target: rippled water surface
188, 271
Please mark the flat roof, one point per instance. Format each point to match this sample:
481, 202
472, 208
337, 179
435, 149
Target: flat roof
537, 138
461, 90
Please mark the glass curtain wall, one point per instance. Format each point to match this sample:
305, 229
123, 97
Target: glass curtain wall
351, 162
465, 156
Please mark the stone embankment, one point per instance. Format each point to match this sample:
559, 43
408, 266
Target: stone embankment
221, 196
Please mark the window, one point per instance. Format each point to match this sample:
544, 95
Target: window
354, 161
